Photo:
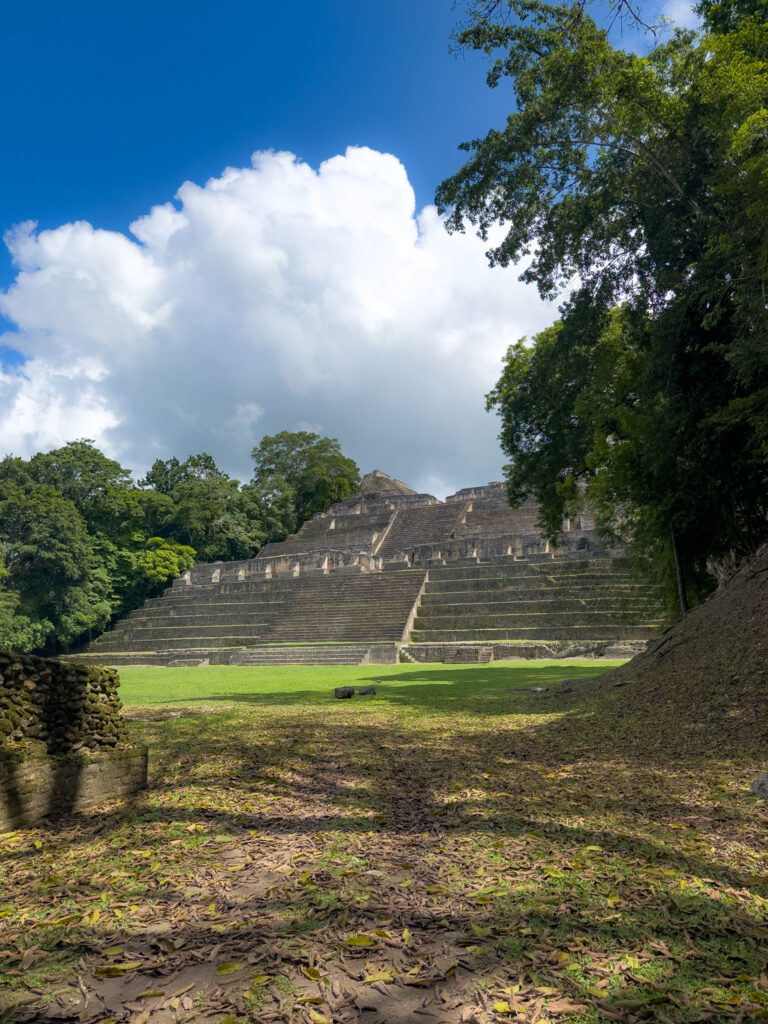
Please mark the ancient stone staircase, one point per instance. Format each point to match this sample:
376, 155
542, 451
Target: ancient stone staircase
394, 573
340, 608
189, 623
414, 527
581, 599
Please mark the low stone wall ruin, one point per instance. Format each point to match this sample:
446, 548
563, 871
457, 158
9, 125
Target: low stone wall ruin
63, 745
498, 651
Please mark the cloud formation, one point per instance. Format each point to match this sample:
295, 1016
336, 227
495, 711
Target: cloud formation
681, 13
272, 297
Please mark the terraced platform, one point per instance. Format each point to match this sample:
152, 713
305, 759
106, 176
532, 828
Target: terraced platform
594, 599
218, 621
391, 574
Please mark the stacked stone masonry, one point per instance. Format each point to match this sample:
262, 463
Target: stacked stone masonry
585, 599
63, 745
389, 567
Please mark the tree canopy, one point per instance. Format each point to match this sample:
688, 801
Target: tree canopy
205, 509
298, 474
638, 183
81, 543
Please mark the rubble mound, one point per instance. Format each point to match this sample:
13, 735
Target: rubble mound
704, 682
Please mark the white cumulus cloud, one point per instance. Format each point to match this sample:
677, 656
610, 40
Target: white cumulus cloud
274, 296
681, 13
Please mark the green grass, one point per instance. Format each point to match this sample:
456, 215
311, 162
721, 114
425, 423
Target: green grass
420, 686
455, 834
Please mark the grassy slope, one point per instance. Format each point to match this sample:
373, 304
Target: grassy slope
487, 852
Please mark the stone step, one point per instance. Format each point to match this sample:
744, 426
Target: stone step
139, 658
242, 609
318, 654
510, 620
479, 603
246, 608
564, 586
527, 568
570, 633
204, 632
192, 641
297, 631
341, 615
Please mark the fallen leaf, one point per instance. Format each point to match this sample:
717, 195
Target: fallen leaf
230, 968
385, 976
115, 970
480, 931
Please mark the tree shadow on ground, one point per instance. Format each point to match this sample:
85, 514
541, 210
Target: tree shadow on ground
310, 777
557, 838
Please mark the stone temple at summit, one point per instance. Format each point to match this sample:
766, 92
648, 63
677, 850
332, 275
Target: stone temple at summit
391, 575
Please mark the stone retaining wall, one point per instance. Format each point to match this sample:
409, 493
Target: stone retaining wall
63, 745
452, 652
34, 786
65, 707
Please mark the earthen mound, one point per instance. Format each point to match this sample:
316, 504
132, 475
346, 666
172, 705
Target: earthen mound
702, 686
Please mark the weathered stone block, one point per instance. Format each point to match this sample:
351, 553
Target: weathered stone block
34, 786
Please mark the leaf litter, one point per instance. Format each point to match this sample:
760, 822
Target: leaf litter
388, 864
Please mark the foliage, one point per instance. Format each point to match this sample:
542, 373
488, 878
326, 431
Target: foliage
208, 511
643, 178
456, 845
82, 544
74, 551
101, 490
152, 569
297, 475
53, 564
17, 632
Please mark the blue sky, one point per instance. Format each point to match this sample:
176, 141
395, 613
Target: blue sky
111, 106
313, 291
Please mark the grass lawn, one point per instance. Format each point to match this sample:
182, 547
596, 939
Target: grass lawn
457, 848
431, 688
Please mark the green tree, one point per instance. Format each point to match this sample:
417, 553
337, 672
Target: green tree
643, 178
53, 564
101, 489
296, 475
204, 509
152, 569
74, 533
17, 632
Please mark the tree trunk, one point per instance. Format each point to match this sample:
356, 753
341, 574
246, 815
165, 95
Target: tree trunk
681, 596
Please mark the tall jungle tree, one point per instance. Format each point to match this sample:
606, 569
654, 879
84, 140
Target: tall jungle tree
638, 182
297, 474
